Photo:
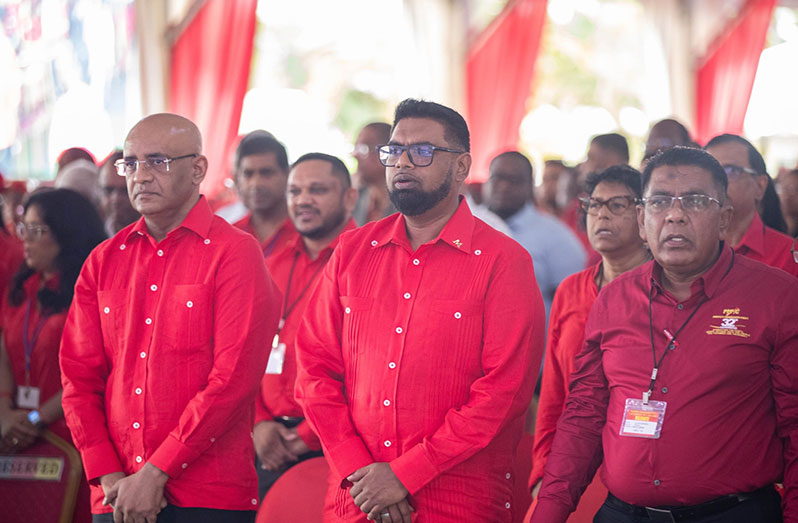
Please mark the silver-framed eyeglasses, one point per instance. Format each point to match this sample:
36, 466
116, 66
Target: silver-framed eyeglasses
693, 203
617, 204
420, 154
159, 164
31, 232
735, 171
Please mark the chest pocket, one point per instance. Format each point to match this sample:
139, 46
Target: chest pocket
113, 308
186, 316
356, 313
459, 321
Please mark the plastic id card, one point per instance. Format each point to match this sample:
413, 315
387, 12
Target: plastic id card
276, 359
642, 420
27, 397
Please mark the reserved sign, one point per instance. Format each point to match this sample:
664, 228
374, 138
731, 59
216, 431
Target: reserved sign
37, 468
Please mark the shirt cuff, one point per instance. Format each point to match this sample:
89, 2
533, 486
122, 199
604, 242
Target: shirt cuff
414, 469
307, 435
100, 460
173, 456
347, 457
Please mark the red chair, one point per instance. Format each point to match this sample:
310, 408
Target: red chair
298, 495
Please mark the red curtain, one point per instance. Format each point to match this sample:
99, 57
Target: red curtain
499, 71
209, 76
726, 76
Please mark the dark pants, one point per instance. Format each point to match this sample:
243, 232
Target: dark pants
173, 514
763, 508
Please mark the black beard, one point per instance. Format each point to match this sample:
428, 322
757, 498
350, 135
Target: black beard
412, 202
327, 226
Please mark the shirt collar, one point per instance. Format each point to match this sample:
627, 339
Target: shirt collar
198, 219
456, 233
709, 282
754, 238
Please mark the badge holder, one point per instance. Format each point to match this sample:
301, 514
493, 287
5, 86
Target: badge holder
643, 419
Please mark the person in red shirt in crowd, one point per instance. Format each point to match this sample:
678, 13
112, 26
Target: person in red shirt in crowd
320, 203
59, 229
748, 180
114, 203
787, 189
611, 217
163, 348
688, 377
261, 173
419, 350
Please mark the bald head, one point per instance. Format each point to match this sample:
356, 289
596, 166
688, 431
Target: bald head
172, 130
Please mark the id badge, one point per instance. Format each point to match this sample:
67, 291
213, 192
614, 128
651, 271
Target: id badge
642, 420
28, 397
276, 359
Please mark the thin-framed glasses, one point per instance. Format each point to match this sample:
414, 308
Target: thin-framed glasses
689, 202
735, 171
159, 164
420, 154
31, 232
617, 204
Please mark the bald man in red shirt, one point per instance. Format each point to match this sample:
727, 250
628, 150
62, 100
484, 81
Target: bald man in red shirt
419, 350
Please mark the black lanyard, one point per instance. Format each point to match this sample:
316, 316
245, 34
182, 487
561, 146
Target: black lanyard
288, 308
672, 338
27, 342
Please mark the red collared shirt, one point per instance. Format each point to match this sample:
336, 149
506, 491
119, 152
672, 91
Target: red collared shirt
292, 267
425, 360
731, 387
162, 353
11, 258
768, 245
284, 237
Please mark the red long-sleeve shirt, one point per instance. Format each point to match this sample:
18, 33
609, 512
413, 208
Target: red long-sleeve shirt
283, 237
162, 354
761, 243
292, 267
425, 359
731, 387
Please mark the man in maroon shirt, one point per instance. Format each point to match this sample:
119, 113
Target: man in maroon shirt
163, 347
748, 180
320, 203
688, 373
261, 174
420, 346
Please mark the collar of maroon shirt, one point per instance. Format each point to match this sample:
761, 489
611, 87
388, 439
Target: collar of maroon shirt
707, 283
754, 238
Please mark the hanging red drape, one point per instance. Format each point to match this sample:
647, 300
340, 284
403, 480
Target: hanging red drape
726, 76
210, 67
499, 71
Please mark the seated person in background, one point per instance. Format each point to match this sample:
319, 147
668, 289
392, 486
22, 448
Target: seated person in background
372, 194
58, 230
665, 134
787, 189
81, 176
114, 201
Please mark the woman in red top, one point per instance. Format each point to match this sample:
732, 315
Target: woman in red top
610, 211
58, 230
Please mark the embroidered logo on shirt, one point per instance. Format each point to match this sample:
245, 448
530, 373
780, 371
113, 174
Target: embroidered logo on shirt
458, 243
729, 324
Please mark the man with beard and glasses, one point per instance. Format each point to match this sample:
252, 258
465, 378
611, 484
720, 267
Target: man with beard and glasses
417, 355
261, 174
320, 202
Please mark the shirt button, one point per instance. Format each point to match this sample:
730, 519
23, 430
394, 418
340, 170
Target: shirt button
153, 287
138, 391
507, 505
184, 465
206, 241
416, 262
142, 355
139, 459
664, 390
122, 247
160, 252
458, 315
107, 310
347, 310
254, 501
507, 476
374, 243
136, 425
387, 443
387, 403
680, 307
189, 304
656, 482
407, 295
392, 365
213, 439
477, 252
398, 330
148, 321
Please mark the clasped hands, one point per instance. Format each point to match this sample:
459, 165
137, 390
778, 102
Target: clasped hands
137, 498
378, 492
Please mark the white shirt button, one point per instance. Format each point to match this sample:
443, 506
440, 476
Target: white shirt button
207, 241
142, 355
477, 252
122, 247
398, 330
213, 439
507, 476
153, 287
387, 403
374, 243
184, 465
107, 310
189, 304
458, 315
160, 252
347, 310
656, 482
392, 365
138, 391
415, 261
136, 425
387, 443
148, 321
507, 505
254, 501
139, 459
407, 295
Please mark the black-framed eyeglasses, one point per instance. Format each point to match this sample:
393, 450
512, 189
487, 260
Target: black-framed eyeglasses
616, 205
31, 232
420, 154
159, 164
735, 171
689, 202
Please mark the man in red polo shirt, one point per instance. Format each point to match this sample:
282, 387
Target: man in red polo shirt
688, 373
320, 203
748, 180
420, 347
261, 173
163, 348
